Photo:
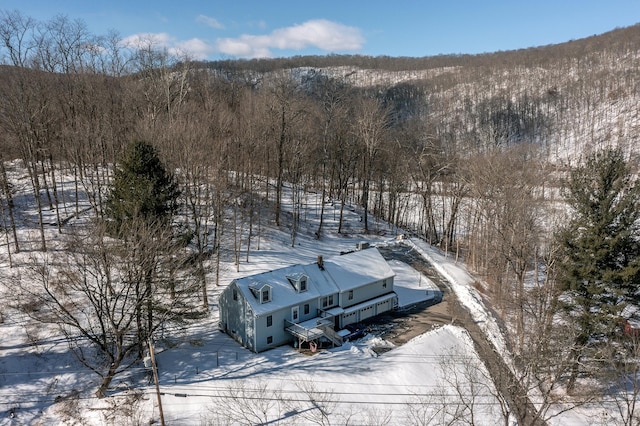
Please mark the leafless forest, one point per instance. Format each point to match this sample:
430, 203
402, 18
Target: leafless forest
468, 152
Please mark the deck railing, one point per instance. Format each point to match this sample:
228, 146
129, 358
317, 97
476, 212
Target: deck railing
307, 333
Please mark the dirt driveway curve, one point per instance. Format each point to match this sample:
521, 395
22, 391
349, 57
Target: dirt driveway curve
418, 319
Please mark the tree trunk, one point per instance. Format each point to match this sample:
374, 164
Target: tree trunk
280, 153
365, 204
148, 282
203, 282
251, 210
575, 356
10, 206
32, 166
106, 380
321, 221
343, 200
6, 235
55, 194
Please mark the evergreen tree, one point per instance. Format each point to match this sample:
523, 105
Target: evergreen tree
141, 189
139, 206
600, 267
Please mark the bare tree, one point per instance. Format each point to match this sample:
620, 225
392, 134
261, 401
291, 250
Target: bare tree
332, 110
428, 167
285, 111
245, 404
8, 206
621, 378
17, 34
62, 45
425, 410
315, 407
96, 292
162, 79
27, 119
474, 393
370, 127
506, 229
466, 395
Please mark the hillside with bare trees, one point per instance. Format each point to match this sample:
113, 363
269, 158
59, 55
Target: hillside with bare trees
469, 153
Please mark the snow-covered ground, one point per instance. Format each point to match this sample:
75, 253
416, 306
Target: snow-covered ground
348, 382
461, 282
199, 366
205, 377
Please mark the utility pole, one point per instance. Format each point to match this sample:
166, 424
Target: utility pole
154, 368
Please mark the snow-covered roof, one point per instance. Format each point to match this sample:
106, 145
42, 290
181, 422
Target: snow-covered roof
338, 274
356, 269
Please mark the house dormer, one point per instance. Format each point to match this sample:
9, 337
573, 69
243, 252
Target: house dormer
262, 292
299, 282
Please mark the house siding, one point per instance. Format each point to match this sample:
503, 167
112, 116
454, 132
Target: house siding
244, 317
366, 292
276, 330
334, 298
234, 315
313, 309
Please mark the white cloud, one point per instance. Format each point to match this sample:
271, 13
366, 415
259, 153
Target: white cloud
322, 34
326, 35
211, 22
145, 40
195, 48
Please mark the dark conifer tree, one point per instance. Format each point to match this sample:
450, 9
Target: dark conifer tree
141, 200
600, 268
142, 189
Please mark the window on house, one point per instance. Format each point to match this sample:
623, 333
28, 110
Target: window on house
306, 308
298, 282
331, 300
325, 302
294, 313
350, 294
235, 294
269, 340
269, 321
384, 284
262, 292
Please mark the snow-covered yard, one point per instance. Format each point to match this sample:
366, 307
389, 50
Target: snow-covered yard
205, 377
201, 368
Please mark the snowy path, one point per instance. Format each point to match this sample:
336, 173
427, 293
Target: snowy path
470, 313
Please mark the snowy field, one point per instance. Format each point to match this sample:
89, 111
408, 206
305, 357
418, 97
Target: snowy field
199, 367
205, 377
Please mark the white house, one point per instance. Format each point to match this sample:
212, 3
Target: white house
307, 303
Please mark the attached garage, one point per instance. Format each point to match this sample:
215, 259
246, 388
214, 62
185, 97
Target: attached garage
369, 309
350, 318
367, 312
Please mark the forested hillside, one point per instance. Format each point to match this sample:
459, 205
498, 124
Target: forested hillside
468, 152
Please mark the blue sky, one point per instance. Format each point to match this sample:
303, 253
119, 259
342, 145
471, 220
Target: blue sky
213, 29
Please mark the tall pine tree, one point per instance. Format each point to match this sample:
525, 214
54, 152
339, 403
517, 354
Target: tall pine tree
141, 200
600, 267
142, 189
